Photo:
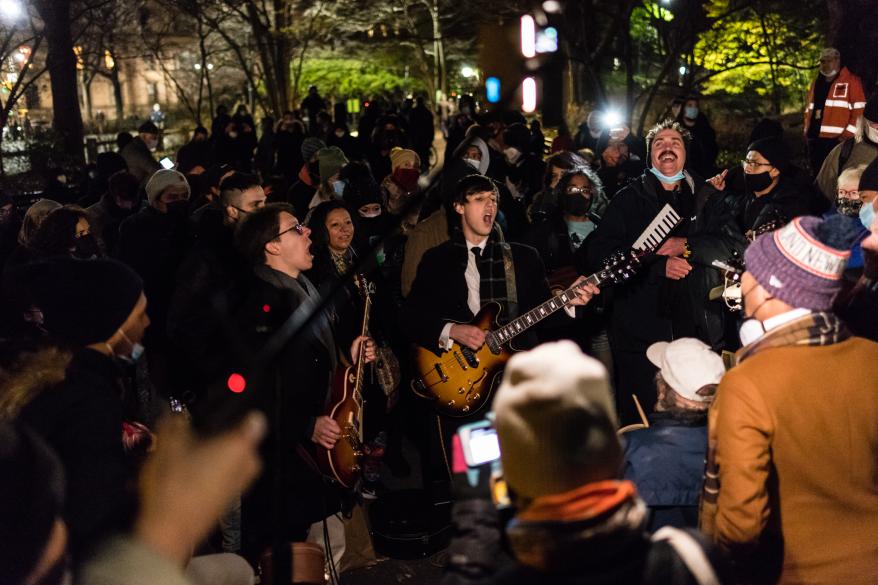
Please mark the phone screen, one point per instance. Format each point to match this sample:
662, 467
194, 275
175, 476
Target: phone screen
167, 163
482, 446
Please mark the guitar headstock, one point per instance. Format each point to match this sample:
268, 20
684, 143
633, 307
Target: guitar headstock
364, 285
620, 266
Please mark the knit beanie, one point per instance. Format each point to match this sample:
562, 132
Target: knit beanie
82, 301
802, 263
33, 219
31, 499
310, 146
774, 150
164, 179
869, 178
871, 111
398, 156
331, 159
555, 421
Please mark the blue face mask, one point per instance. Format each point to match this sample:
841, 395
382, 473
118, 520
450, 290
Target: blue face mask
666, 179
690, 112
867, 214
338, 187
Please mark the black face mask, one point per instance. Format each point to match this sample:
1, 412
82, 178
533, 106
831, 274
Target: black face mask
575, 205
757, 181
848, 207
177, 209
86, 247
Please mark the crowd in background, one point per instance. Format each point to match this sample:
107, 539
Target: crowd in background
149, 289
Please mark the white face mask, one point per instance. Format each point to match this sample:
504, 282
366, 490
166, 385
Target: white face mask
751, 330
370, 214
872, 133
829, 74
473, 162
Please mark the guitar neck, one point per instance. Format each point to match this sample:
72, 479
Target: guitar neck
361, 359
518, 326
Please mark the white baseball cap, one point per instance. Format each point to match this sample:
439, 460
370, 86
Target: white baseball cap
687, 364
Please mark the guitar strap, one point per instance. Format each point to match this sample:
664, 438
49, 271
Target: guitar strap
511, 291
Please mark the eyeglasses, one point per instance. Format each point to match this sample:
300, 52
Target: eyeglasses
852, 194
298, 228
580, 190
753, 164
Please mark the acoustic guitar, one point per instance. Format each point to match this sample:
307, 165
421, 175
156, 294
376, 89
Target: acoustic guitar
459, 381
346, 408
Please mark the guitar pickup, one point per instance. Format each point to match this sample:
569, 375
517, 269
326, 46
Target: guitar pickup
440, 372
470, 357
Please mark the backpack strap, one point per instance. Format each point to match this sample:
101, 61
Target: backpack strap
690, 552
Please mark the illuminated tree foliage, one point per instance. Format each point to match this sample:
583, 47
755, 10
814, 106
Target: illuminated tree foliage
758, 49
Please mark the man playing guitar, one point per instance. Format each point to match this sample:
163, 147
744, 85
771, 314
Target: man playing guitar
476, 266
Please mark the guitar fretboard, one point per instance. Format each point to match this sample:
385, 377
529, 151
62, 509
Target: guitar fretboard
524, 322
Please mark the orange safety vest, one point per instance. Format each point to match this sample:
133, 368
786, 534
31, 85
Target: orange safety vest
844, 105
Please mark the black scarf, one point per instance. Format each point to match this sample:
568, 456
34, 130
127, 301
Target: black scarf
492, 269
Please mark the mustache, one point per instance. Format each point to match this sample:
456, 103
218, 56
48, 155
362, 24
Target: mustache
664, 152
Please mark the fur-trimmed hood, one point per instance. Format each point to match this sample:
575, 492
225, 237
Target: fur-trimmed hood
32, 373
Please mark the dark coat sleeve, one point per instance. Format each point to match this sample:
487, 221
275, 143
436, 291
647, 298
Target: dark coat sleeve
718, 235
438, 296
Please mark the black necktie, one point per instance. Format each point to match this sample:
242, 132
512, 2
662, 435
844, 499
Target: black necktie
477, 252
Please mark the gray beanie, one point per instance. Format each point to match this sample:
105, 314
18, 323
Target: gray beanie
163, 179
310, 146
556, 421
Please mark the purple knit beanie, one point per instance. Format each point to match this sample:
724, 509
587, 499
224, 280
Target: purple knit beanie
794, 266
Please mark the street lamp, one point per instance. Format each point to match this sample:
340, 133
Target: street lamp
467, 71
11, 9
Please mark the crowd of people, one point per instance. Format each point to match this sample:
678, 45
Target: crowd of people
171, 338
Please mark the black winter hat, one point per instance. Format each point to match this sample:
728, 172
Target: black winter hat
82, 301
31, 499
774, 150
148, 128
869, 178
518, 136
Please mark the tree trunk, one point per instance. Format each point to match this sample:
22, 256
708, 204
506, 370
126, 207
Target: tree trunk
117, 91
61, 62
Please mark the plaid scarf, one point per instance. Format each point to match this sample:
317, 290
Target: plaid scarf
492, 271
813, 329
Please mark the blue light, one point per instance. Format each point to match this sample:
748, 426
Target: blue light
492, 89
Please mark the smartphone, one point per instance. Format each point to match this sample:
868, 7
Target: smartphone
479, 442
167, 163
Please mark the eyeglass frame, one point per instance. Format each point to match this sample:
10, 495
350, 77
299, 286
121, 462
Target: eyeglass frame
851, 194
297, 227
587, 190
753, 164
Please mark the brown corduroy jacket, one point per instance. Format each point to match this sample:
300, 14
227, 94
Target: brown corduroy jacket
794, 431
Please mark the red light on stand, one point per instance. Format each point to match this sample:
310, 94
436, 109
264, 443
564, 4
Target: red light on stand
236, 383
